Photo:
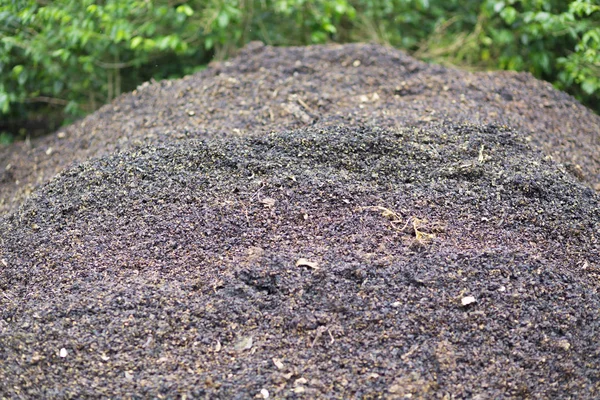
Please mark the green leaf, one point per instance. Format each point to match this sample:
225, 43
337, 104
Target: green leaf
149, 44
328, 27
121, 35
136, 41
543, 60
72, 107
185, 9
223, 20
4, 103
542, 16
318, 37
509, 15
22, 78
17, 69
589, 85
591, 38
57, 87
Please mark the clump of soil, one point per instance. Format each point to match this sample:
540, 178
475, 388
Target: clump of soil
449, 260
300, 223
267, 88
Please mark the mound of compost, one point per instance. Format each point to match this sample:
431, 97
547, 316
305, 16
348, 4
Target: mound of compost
268, 88
443, 261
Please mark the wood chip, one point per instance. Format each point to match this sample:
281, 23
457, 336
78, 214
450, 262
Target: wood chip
465, 301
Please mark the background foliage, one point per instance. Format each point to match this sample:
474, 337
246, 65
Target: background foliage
62, 59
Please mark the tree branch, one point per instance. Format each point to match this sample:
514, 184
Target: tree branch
119, 65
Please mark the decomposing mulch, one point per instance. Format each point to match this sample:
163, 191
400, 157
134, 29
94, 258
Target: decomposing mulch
268, 88
299, 223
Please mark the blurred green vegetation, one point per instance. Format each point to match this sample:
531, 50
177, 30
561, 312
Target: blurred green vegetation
62, 59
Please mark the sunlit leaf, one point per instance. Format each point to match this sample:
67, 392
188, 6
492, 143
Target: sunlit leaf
136, 41
185, 9
223, 20
509, 14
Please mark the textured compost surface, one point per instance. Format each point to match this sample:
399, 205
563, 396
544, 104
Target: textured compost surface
267, 88
358, 257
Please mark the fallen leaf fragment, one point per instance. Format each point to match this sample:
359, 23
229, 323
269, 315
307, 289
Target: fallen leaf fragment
303, 262
564, 344
268, 202
300, 381
419, 234
278, 363
395, 389
244, 343
288, 375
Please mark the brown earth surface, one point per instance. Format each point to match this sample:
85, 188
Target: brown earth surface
320, 222
269, 88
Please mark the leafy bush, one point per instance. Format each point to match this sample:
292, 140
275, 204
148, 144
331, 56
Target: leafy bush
554, 40
75, 55
78, 54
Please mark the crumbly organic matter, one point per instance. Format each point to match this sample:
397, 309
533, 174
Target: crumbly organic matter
346, 259
268, 88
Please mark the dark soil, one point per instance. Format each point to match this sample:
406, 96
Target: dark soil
394, 246
268, 88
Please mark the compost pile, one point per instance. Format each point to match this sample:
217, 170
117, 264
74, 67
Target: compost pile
329, 221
